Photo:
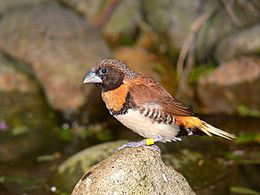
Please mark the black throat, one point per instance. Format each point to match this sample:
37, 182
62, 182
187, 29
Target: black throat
109, 87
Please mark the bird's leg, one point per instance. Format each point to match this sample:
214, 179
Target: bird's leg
133, 144
148, 143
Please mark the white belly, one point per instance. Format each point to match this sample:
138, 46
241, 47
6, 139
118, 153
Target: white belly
146, 127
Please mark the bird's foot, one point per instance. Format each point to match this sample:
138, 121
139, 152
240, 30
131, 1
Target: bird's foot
147, 143
133, 144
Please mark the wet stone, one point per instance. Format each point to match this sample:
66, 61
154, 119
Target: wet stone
220, 91
63, 49
133, 171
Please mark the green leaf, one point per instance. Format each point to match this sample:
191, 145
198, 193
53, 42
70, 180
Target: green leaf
20, 180
244, 138
19, 130
243, 190
47, 158
199, 71
243, 159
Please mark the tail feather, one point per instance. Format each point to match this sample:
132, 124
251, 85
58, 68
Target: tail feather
210, 131
195, 126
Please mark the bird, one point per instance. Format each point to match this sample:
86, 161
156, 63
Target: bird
141, 104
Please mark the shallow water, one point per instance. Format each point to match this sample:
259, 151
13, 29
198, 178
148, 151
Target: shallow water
211, 165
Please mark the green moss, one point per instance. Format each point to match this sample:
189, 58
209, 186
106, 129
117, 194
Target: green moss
243, 110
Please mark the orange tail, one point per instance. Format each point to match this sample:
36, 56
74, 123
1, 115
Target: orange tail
196, 123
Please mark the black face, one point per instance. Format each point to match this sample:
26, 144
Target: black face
111, 77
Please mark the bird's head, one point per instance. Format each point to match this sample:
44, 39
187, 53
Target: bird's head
109, 74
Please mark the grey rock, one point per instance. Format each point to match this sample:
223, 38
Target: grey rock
7, 6
88, 8
241, 43
59, 46
220, 91
124, 20
173, 20
133, 171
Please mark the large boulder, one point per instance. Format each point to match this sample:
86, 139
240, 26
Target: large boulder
58, 45
133, 171
232, 84
244, 42
173, 20
124, 19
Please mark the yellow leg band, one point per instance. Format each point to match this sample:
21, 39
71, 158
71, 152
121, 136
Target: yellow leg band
149, 141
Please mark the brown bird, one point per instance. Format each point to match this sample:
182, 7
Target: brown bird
141, 104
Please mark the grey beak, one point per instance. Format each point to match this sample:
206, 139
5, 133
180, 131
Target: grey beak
91, 77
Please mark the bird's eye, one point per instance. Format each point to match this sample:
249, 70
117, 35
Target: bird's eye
103, 70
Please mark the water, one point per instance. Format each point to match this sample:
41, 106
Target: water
211, 165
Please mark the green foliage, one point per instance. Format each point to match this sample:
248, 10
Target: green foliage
103, 136
82, 133
93, 131
242, 159
158, 67
28, 184
65, 134
127, 40
243, 190
244, 138
199, 71
245, 111
19, 130
49, 157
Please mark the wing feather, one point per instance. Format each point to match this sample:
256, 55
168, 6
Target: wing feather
148, 91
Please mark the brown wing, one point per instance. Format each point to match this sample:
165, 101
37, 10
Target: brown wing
148, 91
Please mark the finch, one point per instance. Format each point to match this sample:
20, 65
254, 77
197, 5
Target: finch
141, 104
